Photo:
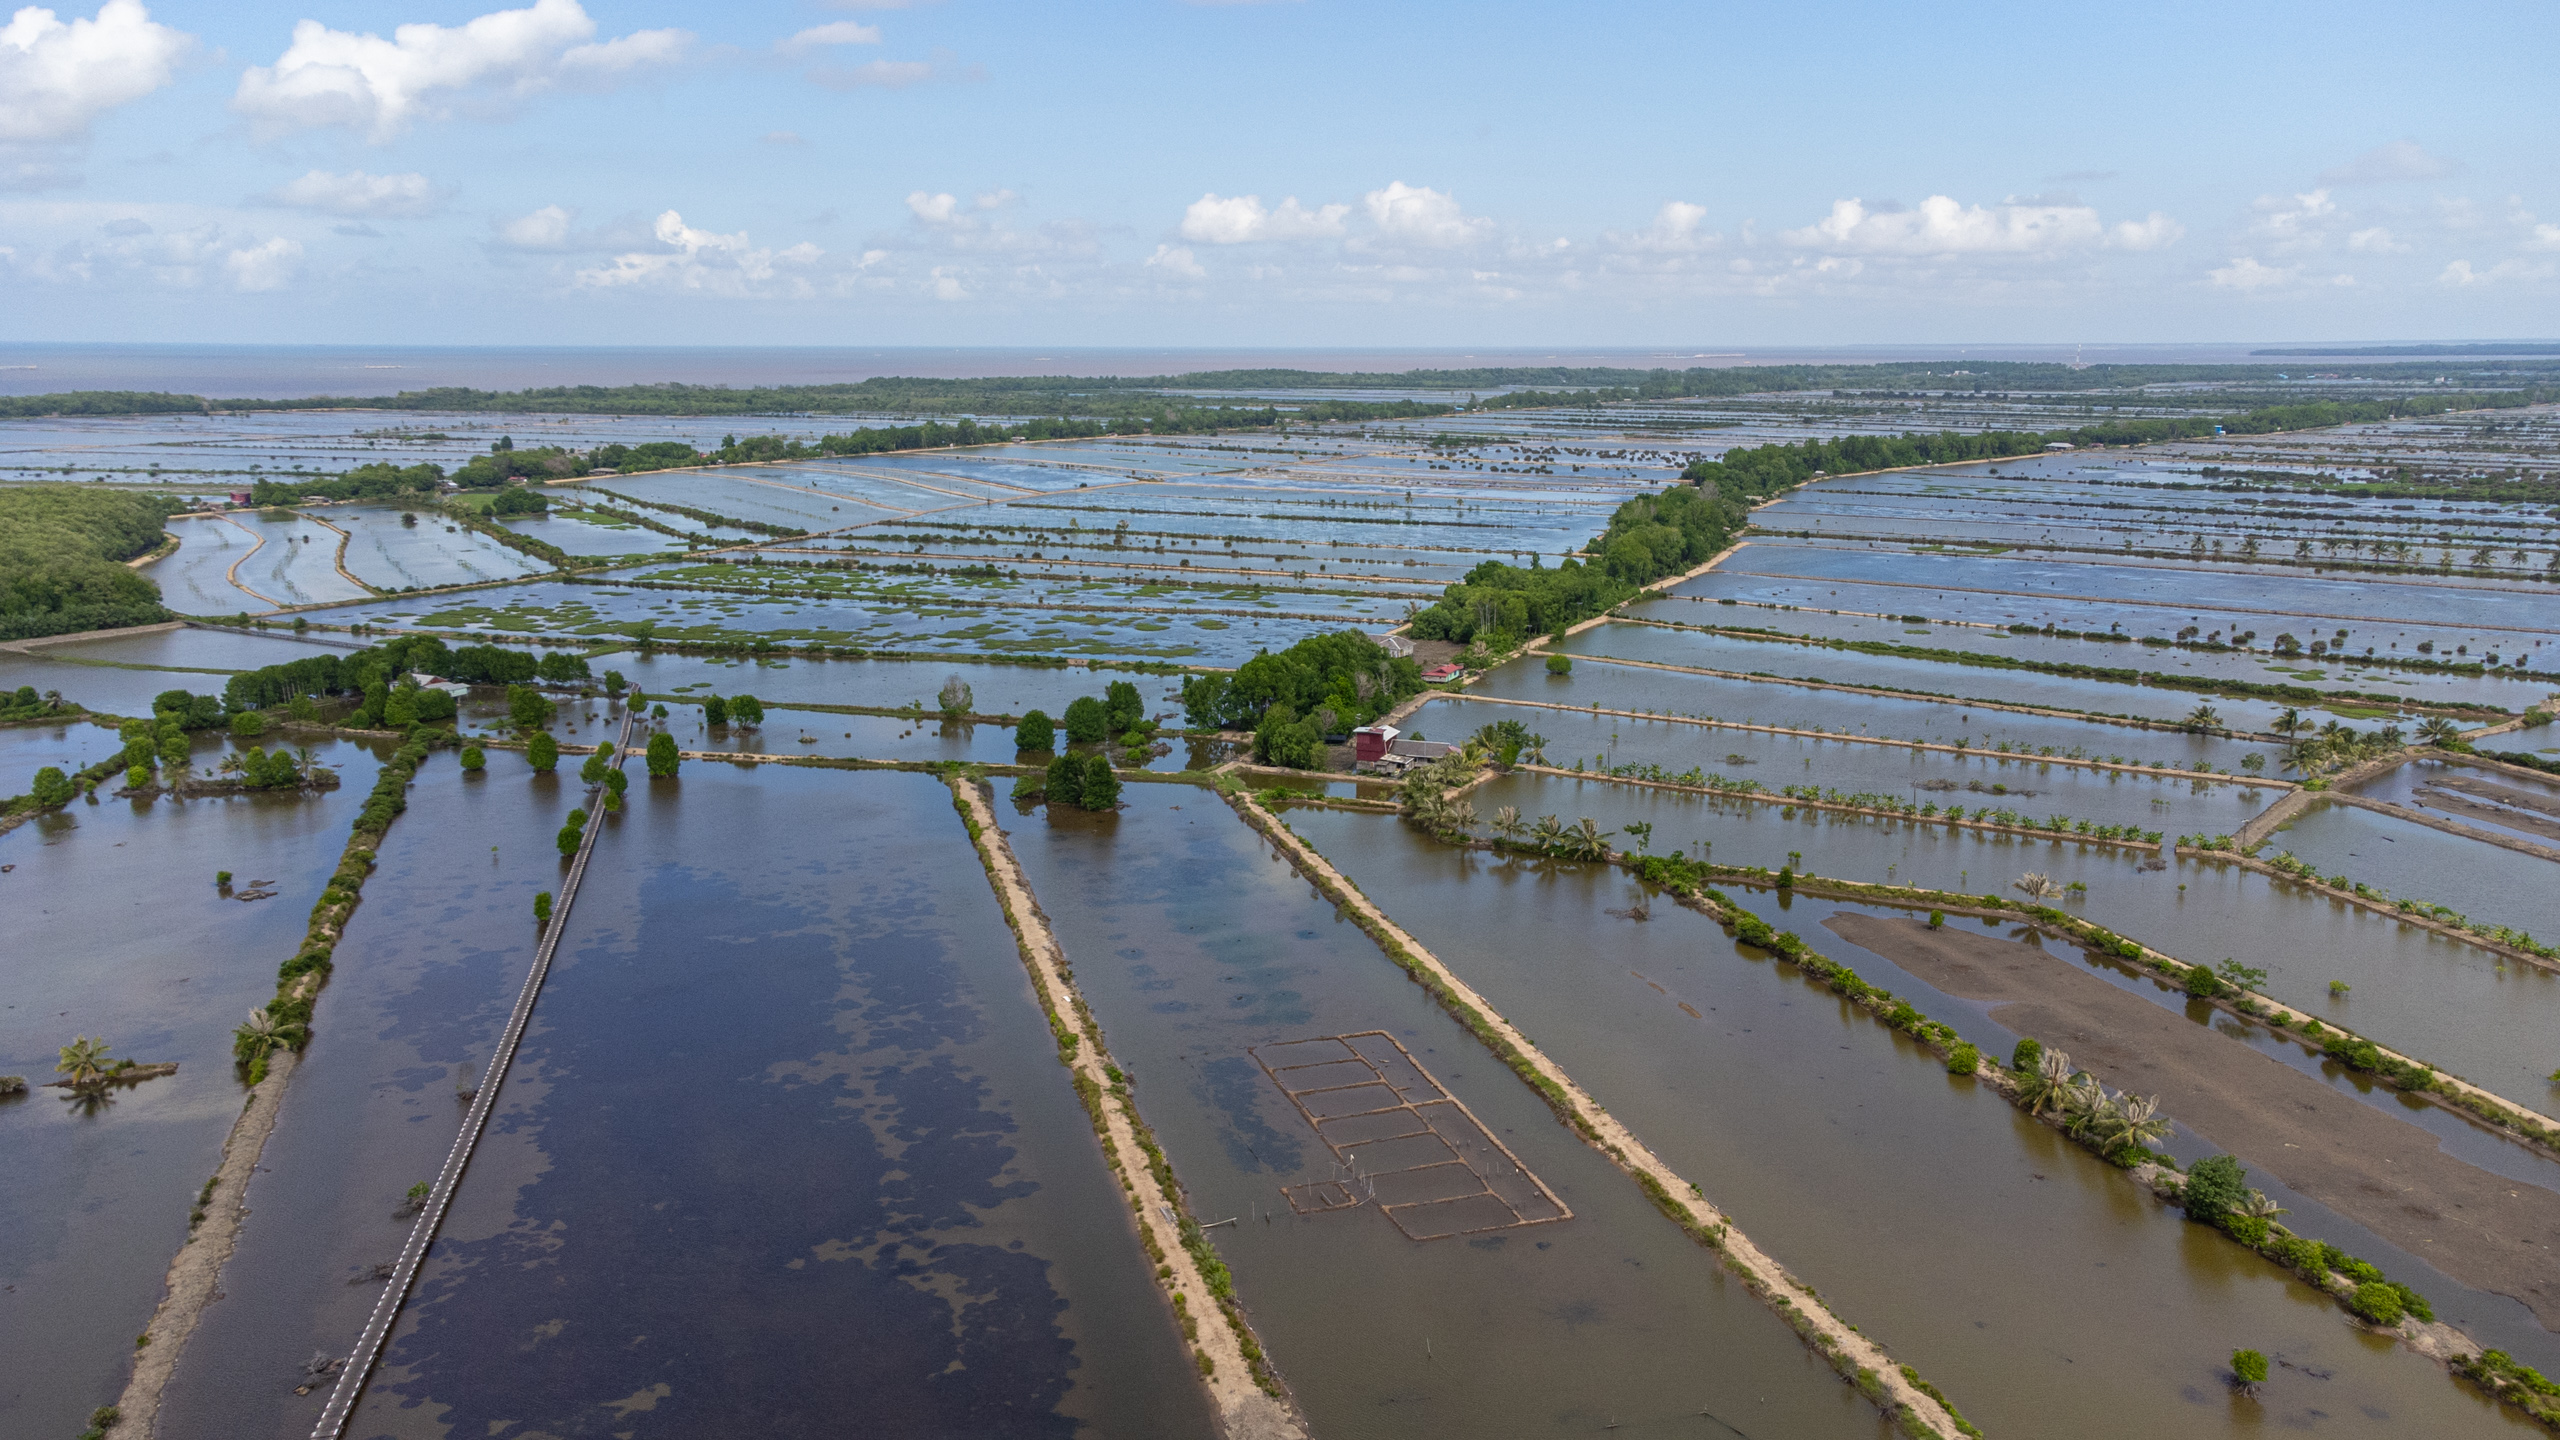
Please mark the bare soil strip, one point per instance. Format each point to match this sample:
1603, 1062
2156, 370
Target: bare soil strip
2392, 1177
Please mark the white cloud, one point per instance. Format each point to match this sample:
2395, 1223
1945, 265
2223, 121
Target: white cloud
337, 77
933, 209
357, 193
2247, 276
1236, 220
2376, 240
708, 262
840, 32
544, 229
2545, 237
884, 74
2401, 160
1176, 260
2460, 273
269, 266
2153, 232
1942, 226
56, 78
1420, 215
2294, 220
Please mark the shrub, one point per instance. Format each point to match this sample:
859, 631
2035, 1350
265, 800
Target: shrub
1937, 919
2249, 1230
2214, 1187
1123, 708
2413, 1302
2028, 1055
570, 831
2249, 1367
542, 906
1559, 664
2202, 983
1787, 877
593, 772
1035, 732
137, 776
473, 758
715, 711
1087, 721
1963, 1060
248, 724
52, 787
2377, 1303
662, 756
2298, 1254
543, 751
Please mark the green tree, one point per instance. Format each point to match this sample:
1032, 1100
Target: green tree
1101, 783
593, 771
473, 758
2216, 1186
2201, 983
400, 711
570, 831
1123, 708
662, 755
745, 710
715, 711
84, 1062
137, 776
615, 683
52, 787
2248, 1370
1035, 732
1559, 664
529, 708
955, 698
248, 724
543, 752
1087, 721
2378, 1302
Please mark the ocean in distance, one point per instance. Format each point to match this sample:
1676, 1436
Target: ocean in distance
273, 372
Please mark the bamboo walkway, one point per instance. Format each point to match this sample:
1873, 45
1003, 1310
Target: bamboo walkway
404, 1274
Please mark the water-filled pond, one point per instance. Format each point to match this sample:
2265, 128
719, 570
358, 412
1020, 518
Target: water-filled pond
118, 931
787, 1141
1966, 1238
1193, 944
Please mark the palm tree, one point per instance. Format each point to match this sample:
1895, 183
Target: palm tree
261, 1036
2306, 754
2134, 1120
1536, 749
1588, 840
2087, 1104
2203, 717
2439, 730
2037, 886
1548, 833
2044, 1088
85, 1061
2290, 723
1507, 824
2259, 1207
1458, 816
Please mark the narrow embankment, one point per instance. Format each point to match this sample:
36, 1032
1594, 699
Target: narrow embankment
2483, 1229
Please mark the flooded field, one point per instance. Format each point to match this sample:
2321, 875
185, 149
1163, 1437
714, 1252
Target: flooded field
1668, 1020
785, 1142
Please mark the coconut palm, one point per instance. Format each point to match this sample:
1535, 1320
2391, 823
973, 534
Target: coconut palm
1548, 833
2204, 717
2305, 754
2038, 886
1458, 816
2134, 1120
1507, 823
256, 1039
2290, 722
2086, 1106
2439, 730
2044, 1087
1588, 840
2259, 1207
84, 1061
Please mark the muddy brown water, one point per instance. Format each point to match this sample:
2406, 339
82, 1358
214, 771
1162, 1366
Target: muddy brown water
116, 929
1194, 943
2042, 1291
786, 1143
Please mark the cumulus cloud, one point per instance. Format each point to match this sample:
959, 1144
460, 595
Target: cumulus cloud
57, 77
1177, 261
1239, 219
706, 261
2399, 161
1420, 215
2461, 275
269, 266
2294, 220
2247, 276
336, 77
2153, 232
1678, 225
2544, 237
405, 196
1941, 225
840, 32
2375, 240
544, 229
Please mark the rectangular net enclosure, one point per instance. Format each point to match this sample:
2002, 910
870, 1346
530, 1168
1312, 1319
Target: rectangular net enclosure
1400, 1142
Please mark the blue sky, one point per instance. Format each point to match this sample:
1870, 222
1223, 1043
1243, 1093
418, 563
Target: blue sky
1295, 173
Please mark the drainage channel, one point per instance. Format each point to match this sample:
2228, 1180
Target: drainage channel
377, 1329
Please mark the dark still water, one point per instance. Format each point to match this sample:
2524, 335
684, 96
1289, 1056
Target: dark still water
786, 1152
1195, 943
114, 928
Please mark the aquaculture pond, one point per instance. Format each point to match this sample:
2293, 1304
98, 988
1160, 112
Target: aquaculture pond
2000, 1259
424, 977
787, 1141
2450, 1004
1195, 945
584, 533
1892, 672
119, 932
2254, 666
2484, 882
296, 563
2512, 803
72, 746
200, 647
109, 689
195, 579
994, 689
392, 548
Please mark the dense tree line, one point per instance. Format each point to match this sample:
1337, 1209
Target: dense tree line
360, 672
61, 548
378, 481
